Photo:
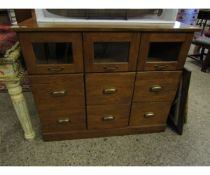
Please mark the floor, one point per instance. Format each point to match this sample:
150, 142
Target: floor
166, 148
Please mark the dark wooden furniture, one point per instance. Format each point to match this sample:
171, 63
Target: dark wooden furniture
202, 44
103, 80
202, 41
203, 17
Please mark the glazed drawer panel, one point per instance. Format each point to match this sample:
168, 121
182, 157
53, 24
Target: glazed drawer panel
52, 52
163, 51
107, 116
63, 120
106, 88
111, 51
58, 91
156, 86
149, 113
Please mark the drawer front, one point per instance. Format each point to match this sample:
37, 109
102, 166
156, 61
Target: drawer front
107, 116
149, 113
109, 88
58, 91
163, 51
111, 51
63, 120
156, 86
52, 52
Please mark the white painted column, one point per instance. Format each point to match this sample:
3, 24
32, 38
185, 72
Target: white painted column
18, 100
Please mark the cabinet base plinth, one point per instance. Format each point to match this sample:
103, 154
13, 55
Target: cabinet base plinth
55, 136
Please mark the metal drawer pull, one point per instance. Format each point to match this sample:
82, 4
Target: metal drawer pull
110, 91
58, 93
59, 69
160, 67
110, 69
149, 114
156, 88
64, 120
108, 117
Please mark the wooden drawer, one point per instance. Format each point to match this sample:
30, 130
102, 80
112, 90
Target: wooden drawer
106, 88
63, 120
52, 52
58, 91
163, 51
156, 86
111, 51
149, 113
107, 116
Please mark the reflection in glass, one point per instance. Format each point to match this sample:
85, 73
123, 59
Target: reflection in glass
53, 53
164, 51
111, 52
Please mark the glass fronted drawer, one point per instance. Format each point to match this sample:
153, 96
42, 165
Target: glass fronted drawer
110, 52
163, 51
52, 53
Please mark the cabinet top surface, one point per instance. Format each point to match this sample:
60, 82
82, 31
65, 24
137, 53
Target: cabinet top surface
31, 25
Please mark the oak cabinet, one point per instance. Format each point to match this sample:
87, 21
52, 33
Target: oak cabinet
94, 83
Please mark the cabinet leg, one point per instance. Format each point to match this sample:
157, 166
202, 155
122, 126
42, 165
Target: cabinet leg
18, 100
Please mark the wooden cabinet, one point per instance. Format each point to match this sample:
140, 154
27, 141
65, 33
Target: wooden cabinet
90, 82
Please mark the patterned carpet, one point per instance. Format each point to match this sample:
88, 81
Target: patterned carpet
166, 148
